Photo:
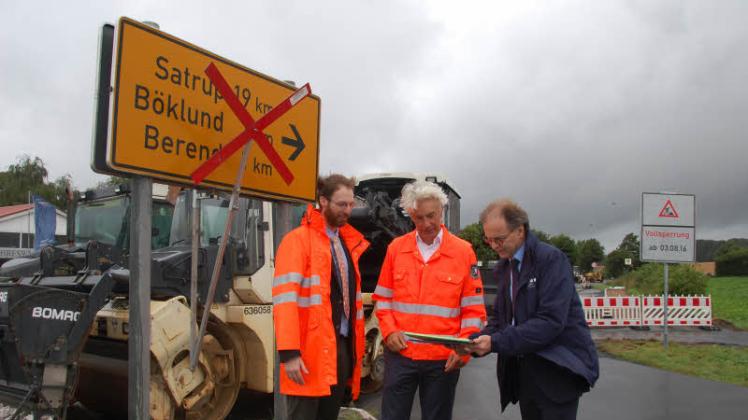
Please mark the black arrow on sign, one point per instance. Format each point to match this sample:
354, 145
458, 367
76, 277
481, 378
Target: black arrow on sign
298, 143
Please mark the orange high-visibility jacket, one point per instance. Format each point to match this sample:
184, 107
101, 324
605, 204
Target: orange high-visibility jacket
301, 305
441, 296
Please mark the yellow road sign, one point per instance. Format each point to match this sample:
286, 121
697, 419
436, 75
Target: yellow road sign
169, 118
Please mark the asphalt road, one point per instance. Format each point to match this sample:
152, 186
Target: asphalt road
625, 391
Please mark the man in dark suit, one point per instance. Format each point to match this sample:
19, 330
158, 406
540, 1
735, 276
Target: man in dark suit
547, 359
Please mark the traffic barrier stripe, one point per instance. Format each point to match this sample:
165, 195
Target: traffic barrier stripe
682, 310
647, 310
612, 311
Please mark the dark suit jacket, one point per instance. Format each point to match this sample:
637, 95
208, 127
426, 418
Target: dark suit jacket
550, 340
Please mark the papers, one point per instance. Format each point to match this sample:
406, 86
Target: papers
437, 339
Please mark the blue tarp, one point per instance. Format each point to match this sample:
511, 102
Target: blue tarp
45, 222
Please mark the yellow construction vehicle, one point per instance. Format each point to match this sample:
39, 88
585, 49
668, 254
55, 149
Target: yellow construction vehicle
237, 349
594, 276
236, 352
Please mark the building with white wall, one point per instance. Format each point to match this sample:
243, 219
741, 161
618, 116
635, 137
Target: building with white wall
17, 230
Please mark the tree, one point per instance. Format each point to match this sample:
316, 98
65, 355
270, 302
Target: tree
542, 236
648, 280
705, 249
727, 247
629, 243
615, 261
589, 251
733, 262
28, 175
566, 245
113, 181
709, 250
473, 233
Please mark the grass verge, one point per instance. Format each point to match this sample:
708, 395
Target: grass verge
730, 300
709, 361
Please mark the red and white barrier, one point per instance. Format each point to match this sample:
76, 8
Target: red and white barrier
681, 310
625, 311
621, 311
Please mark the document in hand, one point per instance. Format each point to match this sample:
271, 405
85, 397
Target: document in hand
438, 339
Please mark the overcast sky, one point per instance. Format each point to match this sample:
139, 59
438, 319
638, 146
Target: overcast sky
573, 108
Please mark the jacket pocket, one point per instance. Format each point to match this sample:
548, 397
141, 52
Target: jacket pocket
449, 278
449, 289
401, 284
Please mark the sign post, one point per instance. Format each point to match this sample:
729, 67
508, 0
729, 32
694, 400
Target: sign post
668, 234
179, 114
139, 341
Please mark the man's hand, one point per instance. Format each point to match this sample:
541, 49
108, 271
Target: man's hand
396, 342
462, 349
295, 369
480, 345
453, 362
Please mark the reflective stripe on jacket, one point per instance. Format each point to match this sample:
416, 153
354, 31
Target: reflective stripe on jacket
441, 296
301, 305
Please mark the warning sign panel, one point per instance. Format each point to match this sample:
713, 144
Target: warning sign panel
668, 230
170, 118
667, 209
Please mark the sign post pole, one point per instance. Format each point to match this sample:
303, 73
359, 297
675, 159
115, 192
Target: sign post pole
282, 224
664, 337
233, 207
668, 235
165, 124
139, 337
193, 276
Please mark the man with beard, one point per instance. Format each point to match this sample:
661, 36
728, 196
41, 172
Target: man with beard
317, 306
429, 283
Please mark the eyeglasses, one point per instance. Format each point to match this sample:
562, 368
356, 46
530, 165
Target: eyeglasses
498, 240
343, 204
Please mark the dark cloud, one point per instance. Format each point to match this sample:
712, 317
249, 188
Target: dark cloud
574, 109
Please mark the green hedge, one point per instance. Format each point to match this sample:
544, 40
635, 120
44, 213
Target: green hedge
649, 280
733, 263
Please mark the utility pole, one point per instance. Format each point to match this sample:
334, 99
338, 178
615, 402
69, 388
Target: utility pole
139, 339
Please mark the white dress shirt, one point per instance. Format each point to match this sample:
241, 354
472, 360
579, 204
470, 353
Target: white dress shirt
428, 250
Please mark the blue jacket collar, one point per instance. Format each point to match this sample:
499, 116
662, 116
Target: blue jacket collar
520, 254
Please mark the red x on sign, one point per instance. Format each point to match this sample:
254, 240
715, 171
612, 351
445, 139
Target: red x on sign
252, 129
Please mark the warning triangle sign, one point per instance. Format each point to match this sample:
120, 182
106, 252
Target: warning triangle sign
669, 210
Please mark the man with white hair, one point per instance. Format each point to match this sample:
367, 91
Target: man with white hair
429, 284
